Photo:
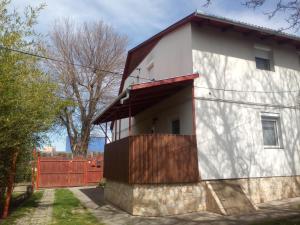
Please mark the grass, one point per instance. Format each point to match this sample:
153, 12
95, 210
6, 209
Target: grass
26, 207
67, 210
16, 195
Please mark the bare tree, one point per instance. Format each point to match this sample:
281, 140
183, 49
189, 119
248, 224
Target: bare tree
291, 9
87, 53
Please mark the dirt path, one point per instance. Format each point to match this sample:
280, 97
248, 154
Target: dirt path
42, 214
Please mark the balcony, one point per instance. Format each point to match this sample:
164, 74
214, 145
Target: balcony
152, 159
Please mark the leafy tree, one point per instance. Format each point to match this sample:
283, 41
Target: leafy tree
28, 104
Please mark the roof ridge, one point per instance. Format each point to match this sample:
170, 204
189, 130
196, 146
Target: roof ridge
250, 25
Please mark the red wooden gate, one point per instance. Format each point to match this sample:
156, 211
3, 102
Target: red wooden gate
59, 172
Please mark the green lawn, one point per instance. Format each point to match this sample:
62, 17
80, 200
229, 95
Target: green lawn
26, 207
67, 210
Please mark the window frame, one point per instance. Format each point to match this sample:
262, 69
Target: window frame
268, 68
278, 135
266, 53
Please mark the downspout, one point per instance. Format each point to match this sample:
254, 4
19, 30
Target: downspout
122, 100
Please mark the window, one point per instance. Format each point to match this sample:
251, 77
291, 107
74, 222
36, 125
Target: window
271, 131
263, 64
176, 126
263, 58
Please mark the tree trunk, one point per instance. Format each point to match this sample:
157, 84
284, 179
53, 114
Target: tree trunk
11, 179
2, 190
85, 138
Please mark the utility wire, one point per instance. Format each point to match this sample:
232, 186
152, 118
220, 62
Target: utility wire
57, 60
246, 91
137, 77
70, 63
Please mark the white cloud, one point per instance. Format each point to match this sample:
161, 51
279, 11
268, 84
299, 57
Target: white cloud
135, 18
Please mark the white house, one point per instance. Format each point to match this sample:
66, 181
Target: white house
207, 119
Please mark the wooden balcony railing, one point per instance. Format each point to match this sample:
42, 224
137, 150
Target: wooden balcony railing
152, 159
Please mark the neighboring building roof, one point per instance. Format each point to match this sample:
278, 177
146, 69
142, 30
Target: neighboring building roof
141, 96
137, 54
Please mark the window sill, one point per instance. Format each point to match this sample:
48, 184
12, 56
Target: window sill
273, 147
271, 70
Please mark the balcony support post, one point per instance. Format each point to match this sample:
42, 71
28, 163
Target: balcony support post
106, 133
119, 129
129, 119
193, 110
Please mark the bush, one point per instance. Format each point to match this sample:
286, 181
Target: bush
102, 183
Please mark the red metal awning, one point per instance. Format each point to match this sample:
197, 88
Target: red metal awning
142, 96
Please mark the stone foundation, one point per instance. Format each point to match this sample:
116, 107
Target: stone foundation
261, 190
156, 200
171, 199
120, 195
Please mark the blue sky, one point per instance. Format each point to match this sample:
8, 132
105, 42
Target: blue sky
140, 19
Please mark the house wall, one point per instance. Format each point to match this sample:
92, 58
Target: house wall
178, 106
229, 134
170, 57
229, 130
228, 123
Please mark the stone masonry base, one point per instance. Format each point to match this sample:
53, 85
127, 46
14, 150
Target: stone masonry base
171, 199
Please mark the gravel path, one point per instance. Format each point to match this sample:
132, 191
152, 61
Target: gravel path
42, 214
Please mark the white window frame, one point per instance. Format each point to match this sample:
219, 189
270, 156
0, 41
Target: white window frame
268, 51
274, 117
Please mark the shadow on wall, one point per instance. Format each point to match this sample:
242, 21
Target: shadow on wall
230, 140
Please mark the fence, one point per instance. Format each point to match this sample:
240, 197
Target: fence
152, 159
60, 172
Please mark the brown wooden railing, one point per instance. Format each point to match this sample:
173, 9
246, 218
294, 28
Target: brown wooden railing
152, 159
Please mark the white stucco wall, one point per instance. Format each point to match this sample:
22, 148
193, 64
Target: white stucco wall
229, 135
171, 56
178, 106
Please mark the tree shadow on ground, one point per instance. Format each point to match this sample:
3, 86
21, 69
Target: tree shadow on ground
96, 194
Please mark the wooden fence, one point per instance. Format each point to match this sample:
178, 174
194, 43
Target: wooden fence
152, 159
59, 172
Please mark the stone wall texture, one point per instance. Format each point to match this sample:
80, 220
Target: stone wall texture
155, 200
120, 195
171, 199
261, 190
